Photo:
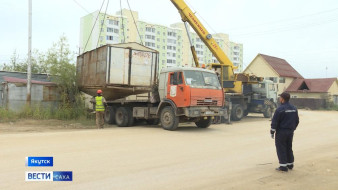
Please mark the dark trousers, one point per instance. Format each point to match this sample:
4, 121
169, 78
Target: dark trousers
283, 141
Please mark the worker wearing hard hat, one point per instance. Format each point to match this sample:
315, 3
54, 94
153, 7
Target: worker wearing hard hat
284, 122
100, 104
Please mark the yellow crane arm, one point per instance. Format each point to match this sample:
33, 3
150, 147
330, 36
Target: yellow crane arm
188, 16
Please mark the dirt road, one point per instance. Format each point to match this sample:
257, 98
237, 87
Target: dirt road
237, 156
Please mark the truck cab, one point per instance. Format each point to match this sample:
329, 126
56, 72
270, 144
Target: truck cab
194, 94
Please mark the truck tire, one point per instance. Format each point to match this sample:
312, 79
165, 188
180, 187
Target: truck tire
109, 115
122, 117
237, 112
204, 123
169, 121
267, 112
130, 117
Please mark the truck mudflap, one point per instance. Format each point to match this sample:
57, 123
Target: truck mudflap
203, 111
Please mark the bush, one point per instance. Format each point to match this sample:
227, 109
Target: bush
6, 115
72, 111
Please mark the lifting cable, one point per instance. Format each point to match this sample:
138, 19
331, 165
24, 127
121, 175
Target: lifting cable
102, 22
93, 26
134, 22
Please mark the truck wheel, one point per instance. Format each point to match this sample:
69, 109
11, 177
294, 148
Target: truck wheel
268, 112
121, 117
204, 123
169, 120
130, 117
109, 115
153, 121
237, 112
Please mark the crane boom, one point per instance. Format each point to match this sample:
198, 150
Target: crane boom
188, 16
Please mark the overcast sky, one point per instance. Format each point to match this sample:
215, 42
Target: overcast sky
303, 32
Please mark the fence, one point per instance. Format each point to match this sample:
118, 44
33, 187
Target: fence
311, 103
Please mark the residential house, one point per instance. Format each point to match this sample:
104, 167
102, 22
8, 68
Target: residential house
273, 68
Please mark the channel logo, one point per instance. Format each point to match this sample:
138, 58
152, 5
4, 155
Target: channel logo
39, 161
49, 176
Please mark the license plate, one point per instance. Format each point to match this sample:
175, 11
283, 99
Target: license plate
209, 112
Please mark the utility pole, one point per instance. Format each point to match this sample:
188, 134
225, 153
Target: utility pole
29, 65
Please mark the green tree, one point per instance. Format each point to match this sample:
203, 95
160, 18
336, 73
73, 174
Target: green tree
59, 62
19, 65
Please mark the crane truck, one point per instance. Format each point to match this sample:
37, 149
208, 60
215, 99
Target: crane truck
134, 88
243, 92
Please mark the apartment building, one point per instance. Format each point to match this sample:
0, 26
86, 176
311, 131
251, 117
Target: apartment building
171, 42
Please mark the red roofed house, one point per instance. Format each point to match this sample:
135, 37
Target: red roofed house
324, 88
275, 69
13, 90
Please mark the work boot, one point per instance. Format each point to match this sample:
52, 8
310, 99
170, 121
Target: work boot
290, 166
282, 169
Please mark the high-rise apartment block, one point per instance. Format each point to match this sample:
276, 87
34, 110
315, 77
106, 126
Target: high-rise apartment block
171, 42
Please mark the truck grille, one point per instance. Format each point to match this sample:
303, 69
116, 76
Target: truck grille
207, 102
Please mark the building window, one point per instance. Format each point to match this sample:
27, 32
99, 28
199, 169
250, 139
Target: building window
172, 41
173, 34
113, 22
281, 79
150, 44
151, 37
149, 29
110, 38
273, 79
171, 61
110, 29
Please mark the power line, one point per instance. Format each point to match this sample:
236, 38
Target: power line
104, 18
135, 22
287, 28
287, 19
93, 26
81, 6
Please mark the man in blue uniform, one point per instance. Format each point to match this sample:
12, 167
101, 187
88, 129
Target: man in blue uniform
285, 120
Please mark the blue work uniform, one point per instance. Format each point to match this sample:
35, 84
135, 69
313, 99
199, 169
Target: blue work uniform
285, 120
